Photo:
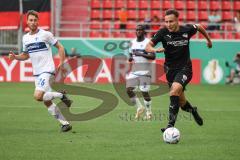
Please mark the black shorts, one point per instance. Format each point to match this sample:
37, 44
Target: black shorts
182, 76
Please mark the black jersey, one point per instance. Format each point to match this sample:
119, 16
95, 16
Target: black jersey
176, 45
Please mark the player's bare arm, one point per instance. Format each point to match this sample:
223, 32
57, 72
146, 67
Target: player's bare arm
130, 59
21, 57
205, 34
61, 52
150, 56
150, 48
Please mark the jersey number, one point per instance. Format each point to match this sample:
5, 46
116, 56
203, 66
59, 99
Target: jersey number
41, 82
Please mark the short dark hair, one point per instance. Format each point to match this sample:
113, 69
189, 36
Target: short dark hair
172, 11
141, 26
32, 12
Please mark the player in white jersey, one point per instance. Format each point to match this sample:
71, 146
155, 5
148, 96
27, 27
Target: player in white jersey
37, 46
140, 74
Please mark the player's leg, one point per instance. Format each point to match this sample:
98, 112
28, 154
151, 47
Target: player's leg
43, 83
187, 107
147, 104
131, 84
175, 92
177, 79
144, 88
56, 113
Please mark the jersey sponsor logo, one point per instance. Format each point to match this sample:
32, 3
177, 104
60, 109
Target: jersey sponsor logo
139, 51
169, 36
184, 78
185, 35
36, 47
178, 43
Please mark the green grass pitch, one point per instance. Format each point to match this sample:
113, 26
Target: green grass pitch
28, 132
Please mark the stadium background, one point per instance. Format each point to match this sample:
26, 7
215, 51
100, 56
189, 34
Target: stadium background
88, 25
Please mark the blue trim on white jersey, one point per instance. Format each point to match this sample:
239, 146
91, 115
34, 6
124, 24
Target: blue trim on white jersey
145, 75
36, 47
44, 72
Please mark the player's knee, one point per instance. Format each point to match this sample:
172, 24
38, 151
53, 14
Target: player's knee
182, 103
174, 92
38, 97
130, 90
146, 96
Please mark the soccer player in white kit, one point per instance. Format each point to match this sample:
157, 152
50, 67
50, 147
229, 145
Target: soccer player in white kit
37, 46
140, 74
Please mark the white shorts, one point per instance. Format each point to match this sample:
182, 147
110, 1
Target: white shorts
141, 81
43, 82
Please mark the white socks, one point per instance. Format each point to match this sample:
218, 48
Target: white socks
54, 111
147, 105
48, 96
136, 102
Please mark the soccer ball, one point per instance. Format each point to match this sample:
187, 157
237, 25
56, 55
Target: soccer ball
171, 135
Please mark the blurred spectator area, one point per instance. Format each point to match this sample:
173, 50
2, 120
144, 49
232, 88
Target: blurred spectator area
101, 18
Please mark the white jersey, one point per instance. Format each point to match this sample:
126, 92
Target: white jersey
141, 65
38, 46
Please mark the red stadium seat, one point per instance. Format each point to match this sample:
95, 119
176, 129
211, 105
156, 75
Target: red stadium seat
167, 4
106, 24
107, 4
227, 15
215, 5
95, 14
116, 13
194, 36
116, 34
116, 24
182, 15
119, 4
156, 13
131, 25
143, 4
216, 35
95, 4
131, 34
237, 36
179, 4
202, 5
106, 34
142, 13
227, 26
226, 5
202, 15
95, 34
191, 5
95, 24
132, 4
132, 14
191, 16
236, 5
155, 4
228, 35
107, 14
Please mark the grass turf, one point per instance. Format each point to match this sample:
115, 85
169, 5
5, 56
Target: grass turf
28, 132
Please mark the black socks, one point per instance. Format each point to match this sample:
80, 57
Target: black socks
187, 107
173, 110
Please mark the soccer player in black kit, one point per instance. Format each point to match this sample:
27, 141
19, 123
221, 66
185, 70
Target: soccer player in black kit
178, 66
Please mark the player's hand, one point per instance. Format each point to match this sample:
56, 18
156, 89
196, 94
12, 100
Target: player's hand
62, 70
130, 59
11, 55
209, 44
159, 50
138, 53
